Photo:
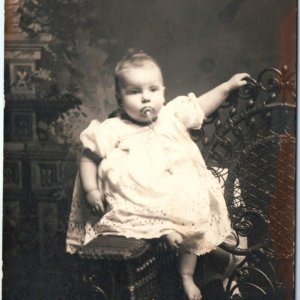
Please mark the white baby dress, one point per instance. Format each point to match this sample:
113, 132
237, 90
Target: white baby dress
155, 181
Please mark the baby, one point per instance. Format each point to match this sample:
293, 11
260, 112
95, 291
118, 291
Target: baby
152, 181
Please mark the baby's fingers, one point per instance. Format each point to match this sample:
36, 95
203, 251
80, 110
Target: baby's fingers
244, 75
243, 78
95, 210
98, 208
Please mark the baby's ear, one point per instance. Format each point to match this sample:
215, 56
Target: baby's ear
164, 90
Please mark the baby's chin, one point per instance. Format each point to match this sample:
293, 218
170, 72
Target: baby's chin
144, 118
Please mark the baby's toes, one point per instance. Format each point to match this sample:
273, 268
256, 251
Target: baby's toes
197, 297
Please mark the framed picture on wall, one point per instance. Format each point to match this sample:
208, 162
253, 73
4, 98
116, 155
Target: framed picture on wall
21, 78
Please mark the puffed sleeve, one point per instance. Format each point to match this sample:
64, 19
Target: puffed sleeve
187, 110
99, 137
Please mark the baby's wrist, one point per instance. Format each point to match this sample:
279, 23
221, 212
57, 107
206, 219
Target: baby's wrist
227, 86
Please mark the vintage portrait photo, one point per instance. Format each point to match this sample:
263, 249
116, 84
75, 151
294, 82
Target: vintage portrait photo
149, 150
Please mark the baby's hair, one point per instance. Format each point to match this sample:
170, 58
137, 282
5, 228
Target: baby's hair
133, 58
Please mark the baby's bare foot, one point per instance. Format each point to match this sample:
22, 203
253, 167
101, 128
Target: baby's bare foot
191, 290
175, 239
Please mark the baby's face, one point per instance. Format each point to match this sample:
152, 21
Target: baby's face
141, 88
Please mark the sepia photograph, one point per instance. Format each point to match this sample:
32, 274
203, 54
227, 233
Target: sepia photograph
149, 150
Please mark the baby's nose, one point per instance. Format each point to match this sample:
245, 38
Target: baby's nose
146, 98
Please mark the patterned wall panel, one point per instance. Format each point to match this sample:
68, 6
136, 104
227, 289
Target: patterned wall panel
22, 126
45, 175
12, 174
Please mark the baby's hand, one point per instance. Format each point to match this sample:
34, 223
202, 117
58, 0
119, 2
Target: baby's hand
237, 80
95, 202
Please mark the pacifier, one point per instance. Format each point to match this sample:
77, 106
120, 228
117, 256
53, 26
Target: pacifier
148, 112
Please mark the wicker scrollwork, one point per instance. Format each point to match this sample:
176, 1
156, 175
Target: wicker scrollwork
248, 140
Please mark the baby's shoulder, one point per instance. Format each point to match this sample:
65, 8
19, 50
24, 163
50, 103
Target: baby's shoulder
181, 100
102, 130
176, 106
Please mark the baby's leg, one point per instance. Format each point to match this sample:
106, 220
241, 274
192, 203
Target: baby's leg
187, 264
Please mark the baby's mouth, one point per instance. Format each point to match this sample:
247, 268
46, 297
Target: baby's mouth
147, 112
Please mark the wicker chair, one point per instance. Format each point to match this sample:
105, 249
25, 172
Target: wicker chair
250, 142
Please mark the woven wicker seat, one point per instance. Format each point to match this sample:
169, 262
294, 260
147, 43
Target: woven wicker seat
114, 247
137, 269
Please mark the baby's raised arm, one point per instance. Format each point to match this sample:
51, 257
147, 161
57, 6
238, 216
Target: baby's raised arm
211, 100
88, 175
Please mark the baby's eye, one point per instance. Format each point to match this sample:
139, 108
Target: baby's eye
154, 89
134, 92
